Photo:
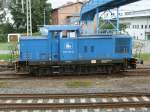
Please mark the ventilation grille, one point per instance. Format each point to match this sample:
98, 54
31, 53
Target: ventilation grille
122, 45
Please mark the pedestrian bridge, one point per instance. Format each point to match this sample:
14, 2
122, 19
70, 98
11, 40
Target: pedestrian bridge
92, 7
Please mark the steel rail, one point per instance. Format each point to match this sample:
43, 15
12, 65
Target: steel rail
75, 106
20, 76
77, 95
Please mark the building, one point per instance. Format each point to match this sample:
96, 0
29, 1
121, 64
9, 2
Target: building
138, 24
67, 14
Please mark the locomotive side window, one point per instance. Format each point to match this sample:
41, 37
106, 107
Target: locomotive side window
64, 34
55, 34
72, 34
68, 34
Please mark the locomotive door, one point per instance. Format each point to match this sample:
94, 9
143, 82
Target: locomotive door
55, 46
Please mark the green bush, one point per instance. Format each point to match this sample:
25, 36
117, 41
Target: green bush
5, 29
3, 37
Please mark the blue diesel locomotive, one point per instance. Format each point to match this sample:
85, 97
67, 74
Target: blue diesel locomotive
65, 51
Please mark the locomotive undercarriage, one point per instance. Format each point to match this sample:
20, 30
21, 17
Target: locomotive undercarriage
75, 68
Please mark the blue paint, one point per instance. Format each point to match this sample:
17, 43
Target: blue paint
34, 49
62, 27
90, 8
91, 47
97, 21
118, 20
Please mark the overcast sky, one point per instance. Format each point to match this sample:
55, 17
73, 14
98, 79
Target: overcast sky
143, 4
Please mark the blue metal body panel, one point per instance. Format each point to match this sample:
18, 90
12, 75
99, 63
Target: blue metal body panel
57, 49
62, 27
34, 50
54, 46
98, 48
69, 49
89, 10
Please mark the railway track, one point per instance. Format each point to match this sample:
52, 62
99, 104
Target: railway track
98, 102
139, 70
6, 67
13, 76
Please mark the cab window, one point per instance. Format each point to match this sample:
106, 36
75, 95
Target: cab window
64, 34
68, 34
72, 34
55, 34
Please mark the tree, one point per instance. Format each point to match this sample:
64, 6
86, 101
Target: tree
5, 28
2, 13
123, 27
38, 7
104, 24
1, 4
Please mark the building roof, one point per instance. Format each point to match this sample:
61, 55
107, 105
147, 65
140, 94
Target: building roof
140, 13
67, 5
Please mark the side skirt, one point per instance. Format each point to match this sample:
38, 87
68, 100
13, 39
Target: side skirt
70, 68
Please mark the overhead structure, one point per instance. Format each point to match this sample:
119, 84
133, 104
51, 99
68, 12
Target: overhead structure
29, 17
28, 14
93, 7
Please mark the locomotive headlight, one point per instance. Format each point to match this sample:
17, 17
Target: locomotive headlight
93, 61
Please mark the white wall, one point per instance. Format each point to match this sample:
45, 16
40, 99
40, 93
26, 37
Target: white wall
135, 27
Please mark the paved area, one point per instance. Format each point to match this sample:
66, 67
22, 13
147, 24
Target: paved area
59, 84
4, 52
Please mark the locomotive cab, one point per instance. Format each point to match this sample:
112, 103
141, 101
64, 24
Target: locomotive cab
60, 38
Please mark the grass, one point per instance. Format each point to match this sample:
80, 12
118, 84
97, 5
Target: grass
36, 34
145, 56
2, 84
8, 57
5, 57
8, 46
78, 84
5, 46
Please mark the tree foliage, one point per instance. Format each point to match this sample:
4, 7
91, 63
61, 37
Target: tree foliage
19, 16
3, 16
5, 28
105, 24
